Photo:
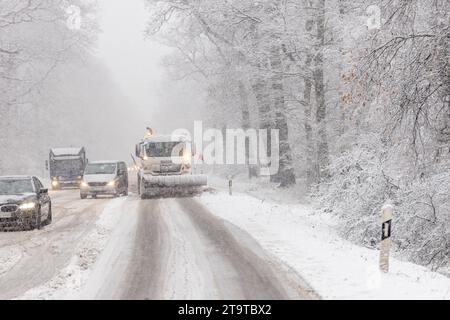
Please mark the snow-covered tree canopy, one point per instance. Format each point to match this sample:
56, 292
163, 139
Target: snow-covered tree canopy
359, 91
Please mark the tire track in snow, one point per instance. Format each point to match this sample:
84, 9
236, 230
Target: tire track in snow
177, 249
252, 275
144, 280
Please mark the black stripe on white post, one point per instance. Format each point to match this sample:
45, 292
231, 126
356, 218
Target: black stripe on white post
230, 185
386, 230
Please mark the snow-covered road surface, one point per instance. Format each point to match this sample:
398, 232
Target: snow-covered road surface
31, 258
211, 247
176, 249
129, 248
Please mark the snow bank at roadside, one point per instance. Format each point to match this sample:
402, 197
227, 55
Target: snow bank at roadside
335, 268
9, 257
72, 278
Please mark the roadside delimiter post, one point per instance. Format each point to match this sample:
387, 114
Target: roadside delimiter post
386, 230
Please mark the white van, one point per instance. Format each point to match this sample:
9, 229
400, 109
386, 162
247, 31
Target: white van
104, 178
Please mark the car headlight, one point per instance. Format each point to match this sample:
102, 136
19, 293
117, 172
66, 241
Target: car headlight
112, 184
55, 183
27, 206
84, 184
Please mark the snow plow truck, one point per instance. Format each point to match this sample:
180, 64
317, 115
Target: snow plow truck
166, 166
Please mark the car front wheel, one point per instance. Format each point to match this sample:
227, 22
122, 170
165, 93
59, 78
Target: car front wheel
48, 221
36, 220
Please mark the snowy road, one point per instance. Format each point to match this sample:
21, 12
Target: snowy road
31, 258
176, 249
157, 249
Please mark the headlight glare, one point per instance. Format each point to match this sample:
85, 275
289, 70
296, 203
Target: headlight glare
27, 206
187, 158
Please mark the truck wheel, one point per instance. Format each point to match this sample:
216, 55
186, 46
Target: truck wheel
141, 190
126, 192
139, 185
83, 196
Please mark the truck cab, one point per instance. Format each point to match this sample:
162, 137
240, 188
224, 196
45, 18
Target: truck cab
166, 165
166, 155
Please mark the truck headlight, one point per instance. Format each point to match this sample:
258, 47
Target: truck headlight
187, 158
55, 183
84, 184
112, 184
27, 206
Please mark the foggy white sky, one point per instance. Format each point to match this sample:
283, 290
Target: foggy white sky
133, 60
136, 64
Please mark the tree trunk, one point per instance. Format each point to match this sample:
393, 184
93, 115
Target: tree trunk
322, 141
260, 89
246, 125
286, 175
310, 173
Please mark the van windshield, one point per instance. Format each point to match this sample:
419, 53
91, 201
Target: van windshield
101, 168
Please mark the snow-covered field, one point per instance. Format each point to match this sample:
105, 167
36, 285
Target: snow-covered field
306, 241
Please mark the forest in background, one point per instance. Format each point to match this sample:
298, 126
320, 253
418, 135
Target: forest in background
359, 91
54, 91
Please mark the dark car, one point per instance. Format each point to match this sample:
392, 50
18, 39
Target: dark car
24, 203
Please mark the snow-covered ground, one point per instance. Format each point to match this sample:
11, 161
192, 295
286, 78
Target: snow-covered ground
68, 282
307, 241
286, 229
